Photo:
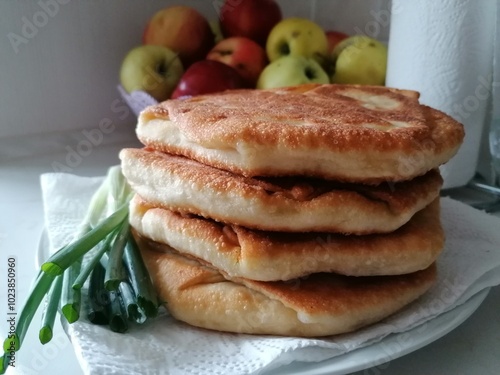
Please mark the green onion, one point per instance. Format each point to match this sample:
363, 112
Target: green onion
115, 272
119, 189
62, 259
40, 288
50, 311
98, 297
118, 316
134, 312
116, 186
97, 204
140, 280
62, 277
71, 298
104, 247
4, 363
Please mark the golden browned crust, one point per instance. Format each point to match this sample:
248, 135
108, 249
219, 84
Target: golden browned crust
318, 305
322, 116
337, 294
343, 132
275, 204
268, 256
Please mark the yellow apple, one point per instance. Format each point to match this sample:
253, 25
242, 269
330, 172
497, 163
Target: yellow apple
291, 71
359, 60
297, 37
153, 69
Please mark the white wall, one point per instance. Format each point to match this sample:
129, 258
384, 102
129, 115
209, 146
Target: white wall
60, 76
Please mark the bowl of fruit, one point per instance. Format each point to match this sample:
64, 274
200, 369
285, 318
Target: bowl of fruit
250, 46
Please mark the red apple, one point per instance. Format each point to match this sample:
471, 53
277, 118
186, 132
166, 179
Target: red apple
334, 38
183, 30
206, 76
243, 54
253, 19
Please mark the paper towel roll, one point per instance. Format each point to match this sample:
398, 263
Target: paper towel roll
444, 50
494, 133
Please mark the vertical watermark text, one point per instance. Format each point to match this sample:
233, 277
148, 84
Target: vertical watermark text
11, 310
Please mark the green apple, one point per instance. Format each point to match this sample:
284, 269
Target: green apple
297, 37
291, 71
359, 60
153, 69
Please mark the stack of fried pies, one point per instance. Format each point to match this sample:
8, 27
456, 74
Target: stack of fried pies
303, 211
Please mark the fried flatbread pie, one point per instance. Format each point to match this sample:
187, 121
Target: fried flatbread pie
290, 204
320, 304
269, 256
353, 133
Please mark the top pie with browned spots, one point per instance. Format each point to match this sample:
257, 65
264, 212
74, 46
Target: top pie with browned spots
349, 133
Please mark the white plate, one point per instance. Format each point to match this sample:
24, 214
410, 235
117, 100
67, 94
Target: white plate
388, 349
392, 346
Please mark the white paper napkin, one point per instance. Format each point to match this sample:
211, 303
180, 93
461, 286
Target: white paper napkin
469, 263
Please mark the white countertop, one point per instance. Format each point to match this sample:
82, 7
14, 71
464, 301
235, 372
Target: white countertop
472, 348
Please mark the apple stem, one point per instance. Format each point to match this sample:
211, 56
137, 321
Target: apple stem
284, 49
161, 69
310, 73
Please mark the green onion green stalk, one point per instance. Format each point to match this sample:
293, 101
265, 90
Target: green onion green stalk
117, 313
50, 311
115, 273
95, 258
98, 297
70, 297
140, 280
